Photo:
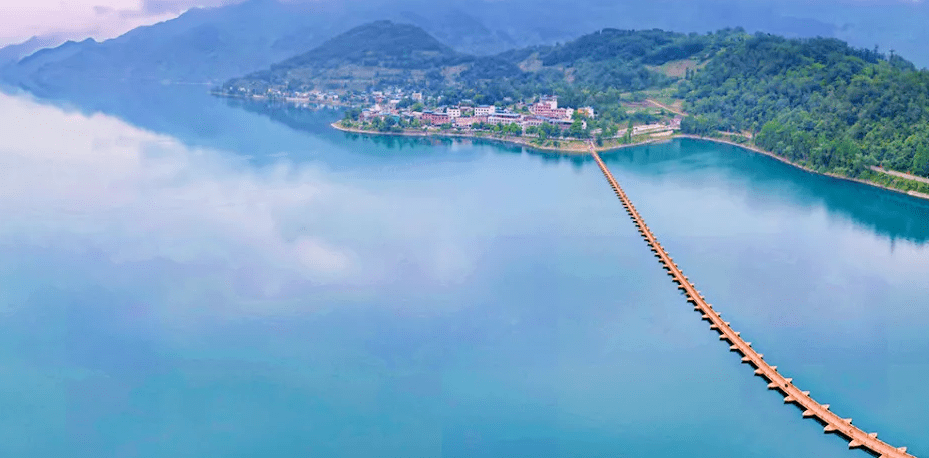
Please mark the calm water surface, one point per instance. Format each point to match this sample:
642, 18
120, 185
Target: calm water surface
184, 277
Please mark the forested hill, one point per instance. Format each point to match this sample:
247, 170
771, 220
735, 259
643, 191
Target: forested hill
380, 53
383, 53
626, 60
380, 43
817, 102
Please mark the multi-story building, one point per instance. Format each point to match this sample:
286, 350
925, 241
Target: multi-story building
504, 118
529, 121
485, 110
587, 111
547, 107
453, 112
431, 117
551, 101
544, 110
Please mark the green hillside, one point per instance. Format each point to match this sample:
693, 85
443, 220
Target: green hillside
817, 102
380, 53
585, 70
383, 53
378, 44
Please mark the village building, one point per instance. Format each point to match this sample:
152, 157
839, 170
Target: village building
367, 114
529, 121
504, 118
547, 107
485, 110
587, 111
550, 101
465, 121
453, 112
431, 117
649, 128
544, 110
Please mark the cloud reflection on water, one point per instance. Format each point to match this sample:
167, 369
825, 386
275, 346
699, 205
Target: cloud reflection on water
94, 183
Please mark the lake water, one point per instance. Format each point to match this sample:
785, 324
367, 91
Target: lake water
186, 277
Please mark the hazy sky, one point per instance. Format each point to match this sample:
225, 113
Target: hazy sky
21, 19
78, 19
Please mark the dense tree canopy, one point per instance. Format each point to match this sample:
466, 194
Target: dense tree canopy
818, 102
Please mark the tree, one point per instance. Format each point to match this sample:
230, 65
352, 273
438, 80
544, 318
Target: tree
921, 161
577, 129
352, 114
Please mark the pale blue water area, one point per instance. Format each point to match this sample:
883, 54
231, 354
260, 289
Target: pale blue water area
185, 277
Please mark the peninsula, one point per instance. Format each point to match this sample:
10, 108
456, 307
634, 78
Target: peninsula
816, 103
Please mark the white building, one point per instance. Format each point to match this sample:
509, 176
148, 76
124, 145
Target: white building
504, 118
531, 121
453, 112
485, 110
649, 128
551, 101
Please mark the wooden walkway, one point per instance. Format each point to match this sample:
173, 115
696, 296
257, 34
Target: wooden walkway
811, 409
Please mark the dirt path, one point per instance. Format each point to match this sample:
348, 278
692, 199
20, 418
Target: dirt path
900, 174
660, 105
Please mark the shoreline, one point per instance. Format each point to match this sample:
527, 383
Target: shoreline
755, 149
584, 149
265, 99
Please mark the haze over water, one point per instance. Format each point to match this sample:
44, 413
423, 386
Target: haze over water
184, 277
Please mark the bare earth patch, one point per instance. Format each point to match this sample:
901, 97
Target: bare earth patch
677, 68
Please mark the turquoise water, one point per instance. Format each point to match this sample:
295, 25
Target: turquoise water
186, 277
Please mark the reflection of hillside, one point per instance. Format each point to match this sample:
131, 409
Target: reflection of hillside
261, 131
892, 214
189, 114
889, 213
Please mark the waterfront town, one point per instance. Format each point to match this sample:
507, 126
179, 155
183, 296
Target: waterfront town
543, 118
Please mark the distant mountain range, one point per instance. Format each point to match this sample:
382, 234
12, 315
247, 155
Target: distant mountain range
13, 53
215, 44
211, 45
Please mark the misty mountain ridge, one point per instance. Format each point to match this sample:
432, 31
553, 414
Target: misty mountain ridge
210, 45
15, 52
214, 44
